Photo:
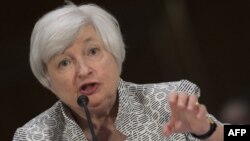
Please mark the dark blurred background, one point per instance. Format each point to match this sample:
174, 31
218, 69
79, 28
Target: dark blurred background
206, 42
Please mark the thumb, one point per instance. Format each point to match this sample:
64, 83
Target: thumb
168, 128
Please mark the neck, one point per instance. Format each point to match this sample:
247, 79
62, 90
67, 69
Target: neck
99, 120
103, 125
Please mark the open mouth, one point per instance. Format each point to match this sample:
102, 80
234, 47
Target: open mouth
88, 89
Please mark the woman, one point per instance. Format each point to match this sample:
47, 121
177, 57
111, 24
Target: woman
79, 50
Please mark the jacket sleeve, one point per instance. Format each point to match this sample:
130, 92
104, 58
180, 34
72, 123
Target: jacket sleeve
21, 135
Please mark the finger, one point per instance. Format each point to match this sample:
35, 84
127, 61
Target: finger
193, 103
168, 128
202, 112
182, 100
173, 98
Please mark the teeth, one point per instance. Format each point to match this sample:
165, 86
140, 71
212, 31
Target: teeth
88, 89
88, 86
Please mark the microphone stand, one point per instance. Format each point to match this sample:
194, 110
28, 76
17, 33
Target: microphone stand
83, 102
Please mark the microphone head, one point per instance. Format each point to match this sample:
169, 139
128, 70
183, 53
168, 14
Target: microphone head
82, 100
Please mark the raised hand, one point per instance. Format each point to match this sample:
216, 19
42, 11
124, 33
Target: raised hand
187, 115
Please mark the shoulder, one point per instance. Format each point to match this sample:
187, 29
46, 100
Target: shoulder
165, 87
150, 101
155, 95
161, 86
41, 124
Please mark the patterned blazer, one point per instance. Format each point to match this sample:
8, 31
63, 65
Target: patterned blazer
143, 110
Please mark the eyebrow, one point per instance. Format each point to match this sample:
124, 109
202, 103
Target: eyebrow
89, 39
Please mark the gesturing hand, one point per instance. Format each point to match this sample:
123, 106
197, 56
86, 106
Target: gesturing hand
187, 115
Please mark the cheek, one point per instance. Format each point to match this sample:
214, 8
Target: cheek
61, 83
64, 90
110, 69
111, 74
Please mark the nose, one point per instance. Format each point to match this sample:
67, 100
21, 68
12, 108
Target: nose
83, 69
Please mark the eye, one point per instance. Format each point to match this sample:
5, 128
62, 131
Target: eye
64, 63
93, 51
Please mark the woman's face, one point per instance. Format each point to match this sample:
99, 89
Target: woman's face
85, 68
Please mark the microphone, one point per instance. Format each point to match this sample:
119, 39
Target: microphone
83, 101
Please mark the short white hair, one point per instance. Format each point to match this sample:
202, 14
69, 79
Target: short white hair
56, 30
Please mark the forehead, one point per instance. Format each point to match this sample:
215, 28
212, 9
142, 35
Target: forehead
87, 35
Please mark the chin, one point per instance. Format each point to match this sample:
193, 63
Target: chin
100, 109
